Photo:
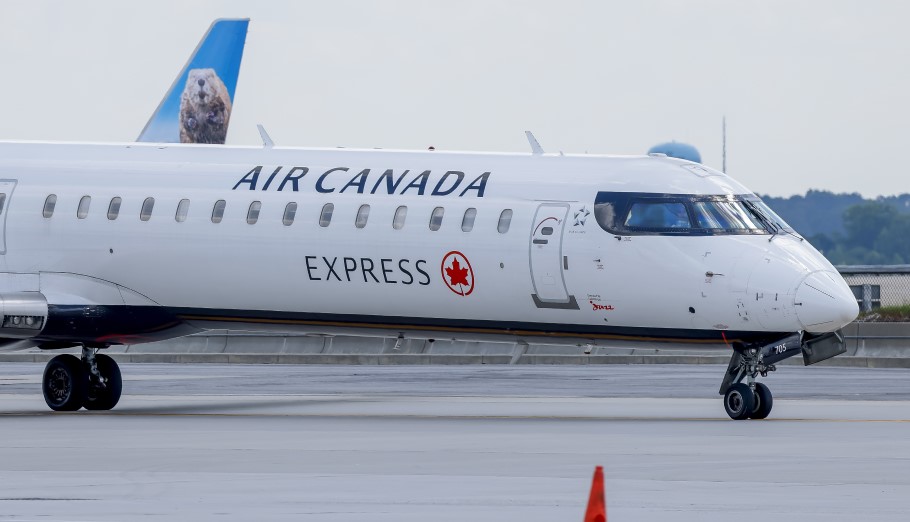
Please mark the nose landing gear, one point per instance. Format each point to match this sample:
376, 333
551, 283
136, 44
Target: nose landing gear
93, 382
753, 400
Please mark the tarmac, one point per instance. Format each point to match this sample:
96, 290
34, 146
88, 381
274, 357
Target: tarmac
481, 443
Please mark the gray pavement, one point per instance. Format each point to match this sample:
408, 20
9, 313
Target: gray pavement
403, 443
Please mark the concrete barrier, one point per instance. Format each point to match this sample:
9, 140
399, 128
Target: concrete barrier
878, 339
872, 345
418, 359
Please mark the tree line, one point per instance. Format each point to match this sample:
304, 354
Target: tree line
848, 229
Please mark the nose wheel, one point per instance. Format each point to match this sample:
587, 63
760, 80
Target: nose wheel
93, 382
742, 401
738, 401
763, 402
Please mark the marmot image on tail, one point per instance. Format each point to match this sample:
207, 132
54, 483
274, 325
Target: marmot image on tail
205, 108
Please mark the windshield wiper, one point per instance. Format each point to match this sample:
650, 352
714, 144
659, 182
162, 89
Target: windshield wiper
771, 225
777, 228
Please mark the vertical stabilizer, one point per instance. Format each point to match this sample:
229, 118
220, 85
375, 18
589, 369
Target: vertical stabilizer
197, 107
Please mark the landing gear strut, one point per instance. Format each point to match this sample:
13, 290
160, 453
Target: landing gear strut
93, 382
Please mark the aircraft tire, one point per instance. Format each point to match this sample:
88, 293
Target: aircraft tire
64, 383
763, 402
106, 398
739, 401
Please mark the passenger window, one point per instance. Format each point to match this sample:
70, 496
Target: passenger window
183, 208
400, 214
505, 220
49, 205
252, 215
218, 211
326, 216
146, 213
290, 212
2, 201
84, 204
467, 222
363, 213
547, 231
436, 218
658, 215
113, 210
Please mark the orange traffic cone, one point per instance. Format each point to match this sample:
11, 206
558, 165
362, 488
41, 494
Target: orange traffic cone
597, 506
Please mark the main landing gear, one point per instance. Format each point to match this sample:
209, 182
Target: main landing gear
92, 382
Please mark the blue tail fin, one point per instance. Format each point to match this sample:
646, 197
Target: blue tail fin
197, 108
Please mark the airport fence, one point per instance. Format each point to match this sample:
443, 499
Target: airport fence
878, 286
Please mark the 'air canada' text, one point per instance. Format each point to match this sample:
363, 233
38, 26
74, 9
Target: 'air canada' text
365, 181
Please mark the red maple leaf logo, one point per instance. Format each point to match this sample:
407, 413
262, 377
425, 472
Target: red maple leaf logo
457, 275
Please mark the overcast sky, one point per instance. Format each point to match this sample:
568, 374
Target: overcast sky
816, 94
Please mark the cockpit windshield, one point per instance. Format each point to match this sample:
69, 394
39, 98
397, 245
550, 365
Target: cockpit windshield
725, 215
635, 213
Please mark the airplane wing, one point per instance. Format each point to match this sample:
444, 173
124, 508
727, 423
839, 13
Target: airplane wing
197, 107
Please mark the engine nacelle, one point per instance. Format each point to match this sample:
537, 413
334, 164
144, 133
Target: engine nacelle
24, 314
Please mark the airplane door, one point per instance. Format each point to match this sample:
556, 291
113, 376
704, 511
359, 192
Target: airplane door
547, 261
6, 192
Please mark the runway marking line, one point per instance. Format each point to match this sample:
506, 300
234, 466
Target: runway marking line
435, 417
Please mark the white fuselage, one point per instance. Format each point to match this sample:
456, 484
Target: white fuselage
555, 272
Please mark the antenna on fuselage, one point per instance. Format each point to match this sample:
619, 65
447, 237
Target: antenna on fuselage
724, 162
266, 139
535, 146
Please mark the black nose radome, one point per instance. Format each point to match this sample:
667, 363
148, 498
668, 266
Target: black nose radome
201, 82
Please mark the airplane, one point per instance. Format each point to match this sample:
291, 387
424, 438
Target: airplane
103, 244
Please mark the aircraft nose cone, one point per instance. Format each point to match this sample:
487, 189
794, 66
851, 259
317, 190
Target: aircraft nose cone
824, 302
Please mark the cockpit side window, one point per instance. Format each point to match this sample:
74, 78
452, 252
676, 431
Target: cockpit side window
765, 211
636, 213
